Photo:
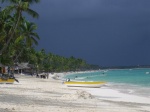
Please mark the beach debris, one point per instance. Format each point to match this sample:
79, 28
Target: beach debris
84, 94
80, 94
13, 108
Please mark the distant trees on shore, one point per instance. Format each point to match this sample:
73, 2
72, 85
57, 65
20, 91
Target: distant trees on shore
50, 62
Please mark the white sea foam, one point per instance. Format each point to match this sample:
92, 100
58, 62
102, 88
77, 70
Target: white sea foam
81, 78
106, 93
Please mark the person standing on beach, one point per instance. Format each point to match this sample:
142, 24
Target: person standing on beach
8, 69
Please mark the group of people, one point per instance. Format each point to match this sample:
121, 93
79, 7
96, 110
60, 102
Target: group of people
42, 75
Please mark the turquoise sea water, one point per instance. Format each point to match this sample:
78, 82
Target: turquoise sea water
139, 77
126, 80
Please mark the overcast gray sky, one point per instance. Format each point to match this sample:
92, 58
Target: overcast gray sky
103, 32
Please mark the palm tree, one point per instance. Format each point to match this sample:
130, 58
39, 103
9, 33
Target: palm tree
6, 23
25, 41
28, 34
17, 7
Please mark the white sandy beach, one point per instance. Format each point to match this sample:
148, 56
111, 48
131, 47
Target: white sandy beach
49, 95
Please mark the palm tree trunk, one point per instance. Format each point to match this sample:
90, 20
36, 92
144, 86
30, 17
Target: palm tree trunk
12, 34
18, 55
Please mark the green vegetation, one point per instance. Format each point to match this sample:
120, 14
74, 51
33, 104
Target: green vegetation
54, 63
18, 40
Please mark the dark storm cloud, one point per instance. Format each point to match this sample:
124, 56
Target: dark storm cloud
104, 32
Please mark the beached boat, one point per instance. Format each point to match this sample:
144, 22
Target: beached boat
84, 84
7, 81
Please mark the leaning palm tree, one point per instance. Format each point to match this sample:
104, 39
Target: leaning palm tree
16, 8
6, 23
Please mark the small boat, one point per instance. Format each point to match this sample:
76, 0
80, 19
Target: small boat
7, 81
84, 84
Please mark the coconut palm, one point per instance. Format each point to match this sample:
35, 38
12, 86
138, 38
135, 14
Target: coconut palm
26, 38
16, 8
27, 33
6, 23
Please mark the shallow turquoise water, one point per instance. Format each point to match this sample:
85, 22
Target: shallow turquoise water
140, 77
130, 81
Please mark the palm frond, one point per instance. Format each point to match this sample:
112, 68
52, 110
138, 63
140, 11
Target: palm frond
32, 13
34, 41
7, 10
35, 35
32, 1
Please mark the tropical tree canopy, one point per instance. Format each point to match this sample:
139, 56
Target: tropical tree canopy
17, 34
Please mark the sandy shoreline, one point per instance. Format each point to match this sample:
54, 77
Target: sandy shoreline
49, 95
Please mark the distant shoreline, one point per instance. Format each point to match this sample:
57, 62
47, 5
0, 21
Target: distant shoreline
124, 67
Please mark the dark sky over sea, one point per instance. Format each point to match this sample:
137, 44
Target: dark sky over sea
102, 32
